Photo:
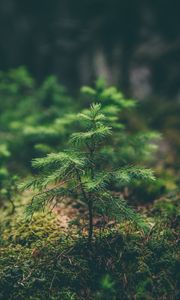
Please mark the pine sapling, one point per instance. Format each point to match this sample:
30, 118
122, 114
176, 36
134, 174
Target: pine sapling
80, 171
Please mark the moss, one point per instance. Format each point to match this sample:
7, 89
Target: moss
38, 261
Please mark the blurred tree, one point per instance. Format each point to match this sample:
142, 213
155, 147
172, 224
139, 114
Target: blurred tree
134, 43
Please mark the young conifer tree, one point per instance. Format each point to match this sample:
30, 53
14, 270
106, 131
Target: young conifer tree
80, 171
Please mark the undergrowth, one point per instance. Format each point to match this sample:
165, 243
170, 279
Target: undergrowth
40, 261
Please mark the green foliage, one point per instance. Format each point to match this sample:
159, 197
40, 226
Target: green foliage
28, 114
8, 182
101, 175
38, 261
168, 207
136, 147
4, 155
37, 119
77, 171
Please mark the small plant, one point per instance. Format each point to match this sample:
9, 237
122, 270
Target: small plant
78, 173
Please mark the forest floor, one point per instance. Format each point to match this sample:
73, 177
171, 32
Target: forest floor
50, 258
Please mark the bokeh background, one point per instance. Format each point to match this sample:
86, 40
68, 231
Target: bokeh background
133, 44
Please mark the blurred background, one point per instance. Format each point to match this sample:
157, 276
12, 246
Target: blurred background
133, 44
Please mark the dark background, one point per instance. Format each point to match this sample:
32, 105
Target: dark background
133, 43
